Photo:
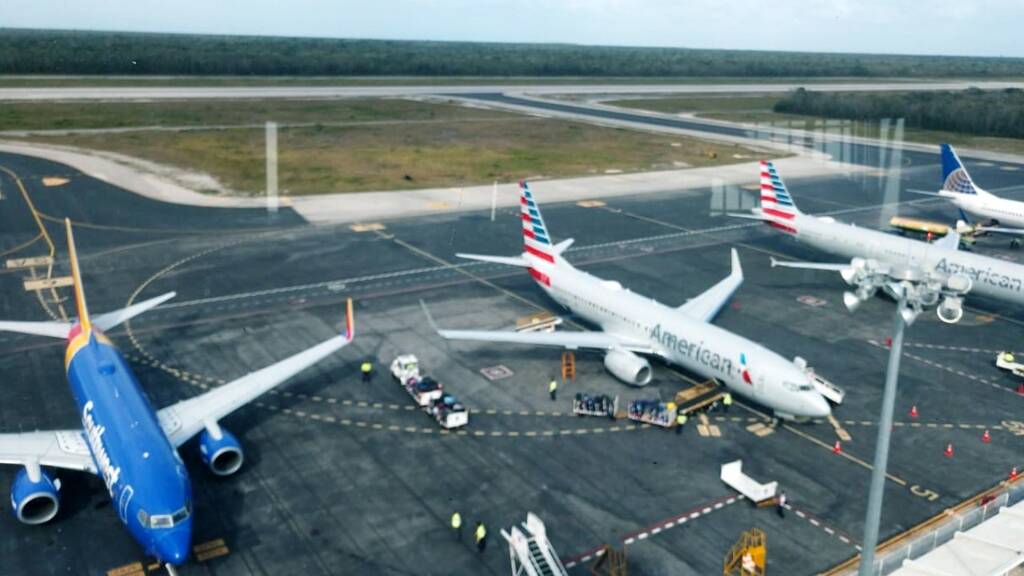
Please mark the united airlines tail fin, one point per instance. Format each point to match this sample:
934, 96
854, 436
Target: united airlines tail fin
102, 321
955, 178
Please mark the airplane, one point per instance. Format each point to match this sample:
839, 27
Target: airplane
1004, 216
632, 324
133, 448
940, 272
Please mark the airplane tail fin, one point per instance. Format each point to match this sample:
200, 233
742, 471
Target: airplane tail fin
775, 199
536, 240
76, 275
955, 178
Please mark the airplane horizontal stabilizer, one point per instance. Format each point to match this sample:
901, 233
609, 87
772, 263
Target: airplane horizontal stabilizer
117, 317
507, 260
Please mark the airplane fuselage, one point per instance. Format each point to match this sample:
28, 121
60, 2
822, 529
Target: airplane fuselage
991, 277
147, 481
745, 367
983, 205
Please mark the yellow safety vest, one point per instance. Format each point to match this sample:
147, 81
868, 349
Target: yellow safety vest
481, 532
553, 386
366, 367
727, 399
456, 520
681, 419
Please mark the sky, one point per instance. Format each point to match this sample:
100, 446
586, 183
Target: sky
958, 27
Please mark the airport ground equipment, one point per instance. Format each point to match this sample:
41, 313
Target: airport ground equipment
929, 230
530, 551
595, 405
698, 396
610, 562
1007, 361
733, 476
568, 366
541, 322
830, 391
652, 411
428, 393
748, 556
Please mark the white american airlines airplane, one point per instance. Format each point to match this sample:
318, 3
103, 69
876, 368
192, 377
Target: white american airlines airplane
632, 324
941, 273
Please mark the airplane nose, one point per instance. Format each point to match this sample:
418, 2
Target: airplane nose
173, 546
818, 407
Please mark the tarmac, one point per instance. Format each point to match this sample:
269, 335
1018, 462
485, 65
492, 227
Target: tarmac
343, 477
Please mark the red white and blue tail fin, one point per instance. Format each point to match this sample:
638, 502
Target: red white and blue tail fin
775, 199
536, 240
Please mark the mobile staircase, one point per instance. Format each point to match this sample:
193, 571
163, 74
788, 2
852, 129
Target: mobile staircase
530, 550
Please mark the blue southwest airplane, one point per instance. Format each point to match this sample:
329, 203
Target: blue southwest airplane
131, 446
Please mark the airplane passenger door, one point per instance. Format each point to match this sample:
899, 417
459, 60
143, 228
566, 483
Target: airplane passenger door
122, 505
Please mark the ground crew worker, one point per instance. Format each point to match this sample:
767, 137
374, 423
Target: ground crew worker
726, 402
457, 525
781, 508
553, 388
680, 422
367, 369
481, 537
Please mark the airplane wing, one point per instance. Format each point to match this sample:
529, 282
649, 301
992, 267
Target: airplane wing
706, 306
811, 265
185, 419
568, 340
58, 448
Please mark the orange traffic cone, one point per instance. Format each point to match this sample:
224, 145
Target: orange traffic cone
888, 341
986, 437
1013, 474
949, 450
913, 411
837, 449
1020, 389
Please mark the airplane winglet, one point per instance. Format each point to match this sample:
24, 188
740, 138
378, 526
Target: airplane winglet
737, 269
430, 319
350, 323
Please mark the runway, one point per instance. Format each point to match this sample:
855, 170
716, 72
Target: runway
538, 88
345, 478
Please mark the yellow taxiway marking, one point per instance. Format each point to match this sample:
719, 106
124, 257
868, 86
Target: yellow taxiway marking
30, 262
44, 283
133, 569
51, 181
591, 203
367, 227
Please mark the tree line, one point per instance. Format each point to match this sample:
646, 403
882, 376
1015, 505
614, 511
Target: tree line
24, 51
972, 111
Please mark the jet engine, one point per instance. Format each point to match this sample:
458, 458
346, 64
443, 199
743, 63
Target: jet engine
220, 451
34, 502
628, 367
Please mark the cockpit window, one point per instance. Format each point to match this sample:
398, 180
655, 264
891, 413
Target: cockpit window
168, 520
794, 387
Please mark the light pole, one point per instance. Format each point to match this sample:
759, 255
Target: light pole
874, 516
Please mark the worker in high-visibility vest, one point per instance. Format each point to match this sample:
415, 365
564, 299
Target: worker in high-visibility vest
726, 401
367, 369
457, 525
553, 388
481, 537
680, 422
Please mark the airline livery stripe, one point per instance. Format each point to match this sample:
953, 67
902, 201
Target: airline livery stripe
528, 233
540, 276
540, 254
778, 213
527, 218
782, 227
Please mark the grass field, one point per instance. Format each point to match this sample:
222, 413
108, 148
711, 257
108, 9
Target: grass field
91, 115
394, 144
757, 109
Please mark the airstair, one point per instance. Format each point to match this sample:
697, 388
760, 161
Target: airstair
530, 551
